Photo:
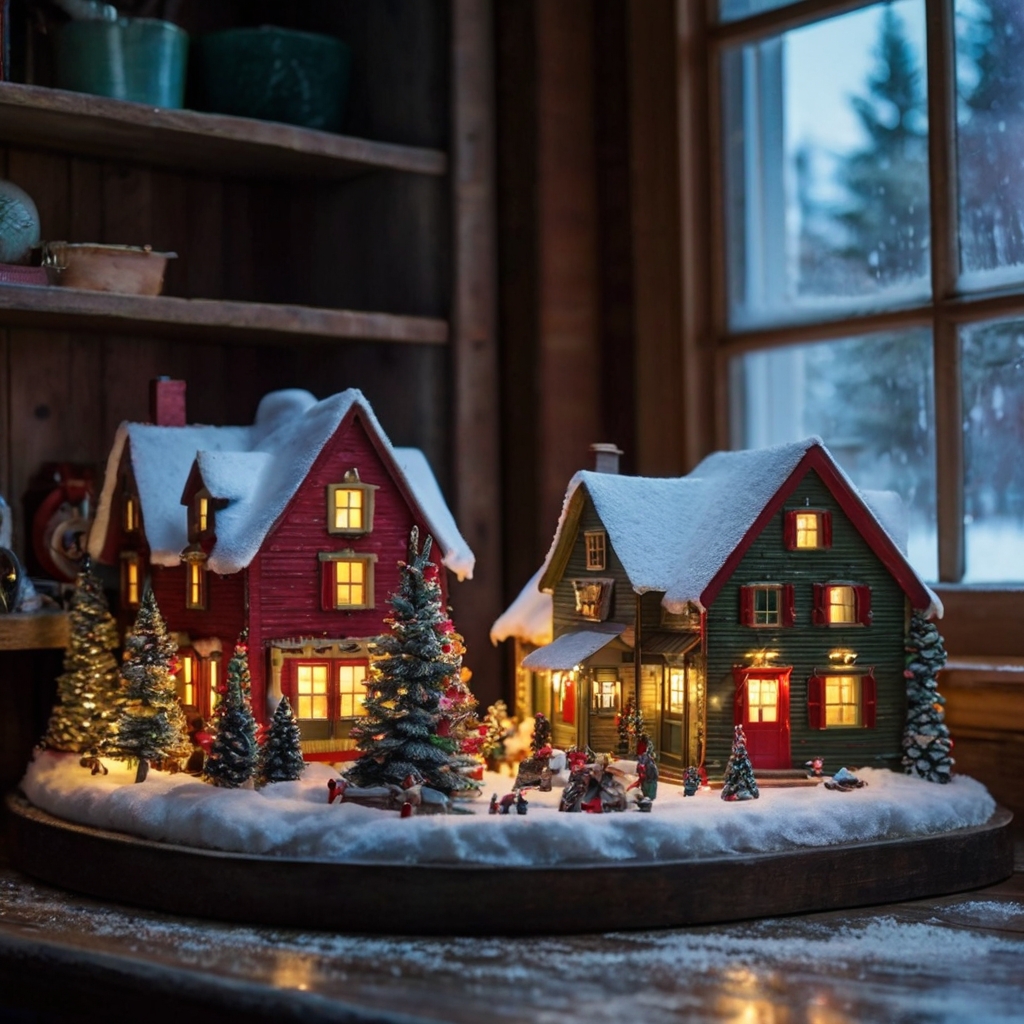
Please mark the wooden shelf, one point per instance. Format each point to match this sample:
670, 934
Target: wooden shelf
32, 632
74, 122
71, 309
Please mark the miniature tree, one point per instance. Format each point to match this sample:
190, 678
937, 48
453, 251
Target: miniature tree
398, 737
541, 737
281, 753
691, 781
498, 727
151, 725
926, 741
740, 783
89, 690
234, 752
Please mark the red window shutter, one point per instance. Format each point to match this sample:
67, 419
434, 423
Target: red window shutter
826, 529
863, 605
327, 585
789, 531
868, 701
569, 703
818, 613
288, 681
788, 605
816, 702
746, 606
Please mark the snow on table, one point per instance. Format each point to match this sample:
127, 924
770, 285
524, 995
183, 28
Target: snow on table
293, 819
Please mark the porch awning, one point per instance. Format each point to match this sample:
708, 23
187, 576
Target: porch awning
669, 642
571, 648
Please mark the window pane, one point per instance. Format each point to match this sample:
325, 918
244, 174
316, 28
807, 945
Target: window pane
990, 140
993, 381
826, 160
869, 399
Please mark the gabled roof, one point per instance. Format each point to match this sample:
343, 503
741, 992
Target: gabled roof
528, 617
686, 535
257, 470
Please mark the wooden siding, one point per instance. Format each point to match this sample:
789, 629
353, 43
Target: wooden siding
224, 616
623, 607
805, 646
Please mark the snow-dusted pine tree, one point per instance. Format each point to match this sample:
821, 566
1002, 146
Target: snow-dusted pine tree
399, 737
740, 783
234, 752
281, 753
89, 690
926, 742
151, 725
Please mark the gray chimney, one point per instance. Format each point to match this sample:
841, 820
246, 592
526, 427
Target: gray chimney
606, 457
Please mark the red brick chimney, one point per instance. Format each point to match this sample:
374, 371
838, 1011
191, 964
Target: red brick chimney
167, 402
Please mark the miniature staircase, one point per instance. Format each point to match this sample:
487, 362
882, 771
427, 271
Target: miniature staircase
775, 778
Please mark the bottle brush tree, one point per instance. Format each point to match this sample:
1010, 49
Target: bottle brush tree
234, 752
740, 783
89, 689
926, 741
281, 753
399, 736
151, 726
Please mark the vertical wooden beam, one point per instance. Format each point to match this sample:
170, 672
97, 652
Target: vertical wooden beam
568, 388
945, 252
474, 333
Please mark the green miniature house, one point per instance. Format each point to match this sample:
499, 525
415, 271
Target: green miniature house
762, 589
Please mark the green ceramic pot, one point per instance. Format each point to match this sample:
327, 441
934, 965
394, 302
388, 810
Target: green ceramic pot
277, 74
140, 59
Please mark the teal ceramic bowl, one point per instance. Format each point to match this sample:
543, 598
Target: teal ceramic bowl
140, 59
277, 74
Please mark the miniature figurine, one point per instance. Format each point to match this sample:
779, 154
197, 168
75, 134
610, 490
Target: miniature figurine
814, 767
691, 781
521, 804
843, 781
493, 806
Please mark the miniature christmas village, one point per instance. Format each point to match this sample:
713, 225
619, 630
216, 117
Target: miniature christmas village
321, 743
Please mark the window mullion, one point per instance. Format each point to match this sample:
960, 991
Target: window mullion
945, 272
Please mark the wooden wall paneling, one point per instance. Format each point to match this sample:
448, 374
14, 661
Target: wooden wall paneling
518, 289
477, 484
86, 198
170, 227
569, 377
203, 263
239, 231
128, 200
656, 253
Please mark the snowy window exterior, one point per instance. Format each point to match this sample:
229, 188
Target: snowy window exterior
593, 598
346, 581
595, 544
762, 698
311, 690
842, 701
350, 506
351, 689
130, 579
195, 584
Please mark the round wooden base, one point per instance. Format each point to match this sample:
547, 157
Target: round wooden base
446, 900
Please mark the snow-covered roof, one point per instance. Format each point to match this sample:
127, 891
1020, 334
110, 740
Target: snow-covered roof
675, 534
574, 647
528, 617
257, 469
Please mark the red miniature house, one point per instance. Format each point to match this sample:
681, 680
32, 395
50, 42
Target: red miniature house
292, 528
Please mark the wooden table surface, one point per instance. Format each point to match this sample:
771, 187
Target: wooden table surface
954, 958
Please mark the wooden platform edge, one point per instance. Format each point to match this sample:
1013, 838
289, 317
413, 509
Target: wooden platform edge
473, 900
25, 632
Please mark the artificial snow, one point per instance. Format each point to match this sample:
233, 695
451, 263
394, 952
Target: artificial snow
257, 469
293, 819
528, 617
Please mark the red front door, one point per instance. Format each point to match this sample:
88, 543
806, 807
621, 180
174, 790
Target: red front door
762, 708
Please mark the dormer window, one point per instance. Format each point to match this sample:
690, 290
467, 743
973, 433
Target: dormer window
195, 578
595, 543
202, 514
350, 506
808, 529
201, 519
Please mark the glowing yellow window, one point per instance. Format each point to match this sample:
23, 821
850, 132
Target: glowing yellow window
594, 541
351, 689
807, 530
311, 691
842, 700
130, 579
195, 583
348, 509
762, 699
131, 514
188, 682
202, 514
213, 674
842, 605
349, 584
676, 691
